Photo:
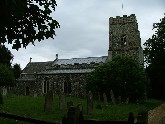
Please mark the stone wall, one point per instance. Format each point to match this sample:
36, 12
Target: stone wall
57, 83
157, 115
124, 38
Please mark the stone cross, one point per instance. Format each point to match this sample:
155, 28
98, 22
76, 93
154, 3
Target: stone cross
90, 102
48, 101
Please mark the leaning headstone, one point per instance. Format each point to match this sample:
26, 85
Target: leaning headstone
105, 99
48, 101
62, 101
112, 97
69, 104
90, 102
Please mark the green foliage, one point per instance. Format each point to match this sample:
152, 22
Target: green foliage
24, 21
16, 70
154, 50
155, 57
123, 75
5, 55
6, 76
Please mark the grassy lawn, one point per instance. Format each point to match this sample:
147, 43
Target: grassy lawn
34, 107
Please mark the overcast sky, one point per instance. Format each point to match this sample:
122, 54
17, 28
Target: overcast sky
84, 28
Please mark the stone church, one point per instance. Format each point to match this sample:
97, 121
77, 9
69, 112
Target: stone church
68, 75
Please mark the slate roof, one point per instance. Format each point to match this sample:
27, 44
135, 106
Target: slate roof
67, 71
27, 78
43, 67
80, 60
36, 67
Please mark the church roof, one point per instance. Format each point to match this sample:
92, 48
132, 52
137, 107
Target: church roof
67, 71
43, 67
72, 61
33, 67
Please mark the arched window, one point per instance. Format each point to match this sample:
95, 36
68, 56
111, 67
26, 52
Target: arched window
46, 86
27, 92
67, 86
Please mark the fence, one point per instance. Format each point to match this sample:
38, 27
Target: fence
25, 119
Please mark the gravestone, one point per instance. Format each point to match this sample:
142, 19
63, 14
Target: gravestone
112, 97
48, 101
119, 99
62, 101
131, 118
99, 97
90, 102
127, 101
35, 94
73, 115
105, 99
142, 117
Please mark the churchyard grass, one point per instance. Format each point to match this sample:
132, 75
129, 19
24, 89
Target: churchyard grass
34, 107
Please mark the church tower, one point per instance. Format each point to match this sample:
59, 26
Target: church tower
124, 38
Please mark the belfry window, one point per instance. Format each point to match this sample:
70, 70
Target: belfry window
123, 40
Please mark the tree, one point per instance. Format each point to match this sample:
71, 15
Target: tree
5, 55
16, 70
154, 53
6, 79
123, 75
24, 21
6, 76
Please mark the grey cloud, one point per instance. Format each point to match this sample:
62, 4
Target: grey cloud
84, 28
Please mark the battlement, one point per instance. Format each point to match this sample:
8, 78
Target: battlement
124, 19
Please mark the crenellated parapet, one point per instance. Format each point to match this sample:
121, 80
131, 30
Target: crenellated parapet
121, 20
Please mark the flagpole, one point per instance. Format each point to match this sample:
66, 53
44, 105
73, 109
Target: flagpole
122, 7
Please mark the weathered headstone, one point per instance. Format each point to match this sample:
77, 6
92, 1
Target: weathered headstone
80, 106
142, 117
69, 104
62, 101
131, 118
48, 101
90, 102
112, 97
35, 94
105, 99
